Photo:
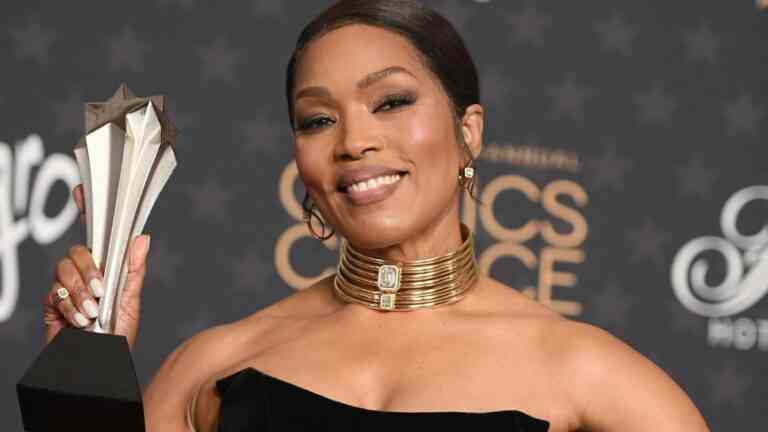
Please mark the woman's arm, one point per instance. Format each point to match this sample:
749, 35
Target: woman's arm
175, 383
187, 372
618, 389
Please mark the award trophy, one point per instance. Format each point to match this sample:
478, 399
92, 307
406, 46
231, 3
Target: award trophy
85, 380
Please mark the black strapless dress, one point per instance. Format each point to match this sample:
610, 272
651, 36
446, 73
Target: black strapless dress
254, 401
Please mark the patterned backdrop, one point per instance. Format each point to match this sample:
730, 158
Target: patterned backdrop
623, 178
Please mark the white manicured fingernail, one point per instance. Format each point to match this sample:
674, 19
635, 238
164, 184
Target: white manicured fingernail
97, 289
90, 308
80, 319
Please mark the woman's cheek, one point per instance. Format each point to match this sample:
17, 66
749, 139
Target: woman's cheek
417, 132
425, 129
310, 171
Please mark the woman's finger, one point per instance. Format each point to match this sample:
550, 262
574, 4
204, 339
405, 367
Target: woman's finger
77, 194
63, 301
68, 276
130, 305
80, 295
86, 267
52, 318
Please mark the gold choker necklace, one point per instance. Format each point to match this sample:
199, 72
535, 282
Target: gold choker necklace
390, 285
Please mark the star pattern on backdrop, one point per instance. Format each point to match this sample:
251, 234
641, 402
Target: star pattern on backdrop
729, 386
24, 323
68, 113
32, 41
183, 121
263, 135
126, 51
742, 116
694, 179
219, 60
608, 170
500, 90
211, 200
654, 105
612, 305
701, 44
186, 4
163, 263
568, 99
528, 26
268, 7
456, 12
683, 320
250, 270
646, 243
615, 34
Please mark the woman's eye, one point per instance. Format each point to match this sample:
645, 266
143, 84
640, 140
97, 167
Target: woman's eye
392, 102
314, 123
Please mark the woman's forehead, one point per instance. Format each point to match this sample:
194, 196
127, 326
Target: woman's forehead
347, 54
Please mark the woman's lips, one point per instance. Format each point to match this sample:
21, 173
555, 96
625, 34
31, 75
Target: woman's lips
373, 193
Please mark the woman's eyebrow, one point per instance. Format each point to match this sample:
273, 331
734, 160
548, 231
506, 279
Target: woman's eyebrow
373, 77
366, 81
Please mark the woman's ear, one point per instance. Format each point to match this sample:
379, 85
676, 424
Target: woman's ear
472, 128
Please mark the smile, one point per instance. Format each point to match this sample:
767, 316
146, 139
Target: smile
373, 189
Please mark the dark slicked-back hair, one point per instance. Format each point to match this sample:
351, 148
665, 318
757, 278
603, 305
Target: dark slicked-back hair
442, 49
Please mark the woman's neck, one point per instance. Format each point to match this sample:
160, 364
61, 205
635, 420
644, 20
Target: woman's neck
438, 239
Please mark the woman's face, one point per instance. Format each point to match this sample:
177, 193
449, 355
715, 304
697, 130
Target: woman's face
375, 139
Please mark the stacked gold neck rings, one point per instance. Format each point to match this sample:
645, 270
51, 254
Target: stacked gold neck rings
390, 285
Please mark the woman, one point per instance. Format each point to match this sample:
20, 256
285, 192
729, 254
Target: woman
383, 100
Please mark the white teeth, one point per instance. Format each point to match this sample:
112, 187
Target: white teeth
374, 183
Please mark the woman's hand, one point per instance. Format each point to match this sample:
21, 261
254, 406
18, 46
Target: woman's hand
83, 281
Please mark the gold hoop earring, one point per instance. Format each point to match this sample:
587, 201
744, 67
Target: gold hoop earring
309, 213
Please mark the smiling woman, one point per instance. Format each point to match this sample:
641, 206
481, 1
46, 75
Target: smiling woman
383, 114
387, 121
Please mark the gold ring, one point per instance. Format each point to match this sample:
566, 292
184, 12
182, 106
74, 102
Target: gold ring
61, 294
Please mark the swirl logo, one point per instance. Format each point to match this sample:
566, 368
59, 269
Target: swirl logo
746, 278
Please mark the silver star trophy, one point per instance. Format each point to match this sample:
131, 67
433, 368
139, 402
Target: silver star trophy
125, 159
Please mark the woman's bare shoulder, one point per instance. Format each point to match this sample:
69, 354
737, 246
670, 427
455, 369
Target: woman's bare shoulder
567, 340
511, 304
195, 365
623, 385
250, 331
612, 385
221, 344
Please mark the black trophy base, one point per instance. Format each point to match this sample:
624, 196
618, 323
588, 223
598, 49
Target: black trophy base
82, 381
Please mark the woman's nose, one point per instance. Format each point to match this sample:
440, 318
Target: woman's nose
357, 137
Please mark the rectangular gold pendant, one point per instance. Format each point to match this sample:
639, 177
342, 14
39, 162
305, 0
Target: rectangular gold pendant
389, 277
388, 282
387, 301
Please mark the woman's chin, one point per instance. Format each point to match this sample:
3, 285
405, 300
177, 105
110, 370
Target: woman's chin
376, 234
